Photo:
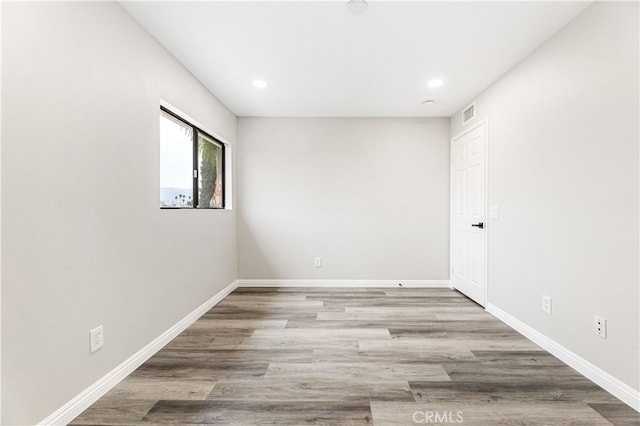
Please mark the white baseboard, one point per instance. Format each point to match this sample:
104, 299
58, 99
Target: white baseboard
620, 390
82, 401
346, 283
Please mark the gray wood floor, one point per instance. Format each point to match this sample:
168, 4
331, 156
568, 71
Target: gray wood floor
351, 357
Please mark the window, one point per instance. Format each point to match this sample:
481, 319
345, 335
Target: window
191, 165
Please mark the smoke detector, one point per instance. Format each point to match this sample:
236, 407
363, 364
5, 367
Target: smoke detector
356, 7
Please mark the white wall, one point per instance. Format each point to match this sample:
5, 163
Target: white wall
369, 196
563, 168
84, 242
0, 220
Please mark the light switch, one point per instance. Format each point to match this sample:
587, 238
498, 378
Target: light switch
494, 212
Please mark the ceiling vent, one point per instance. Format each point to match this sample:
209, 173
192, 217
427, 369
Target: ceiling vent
469, 113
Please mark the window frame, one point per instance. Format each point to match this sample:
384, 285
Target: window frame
195, 131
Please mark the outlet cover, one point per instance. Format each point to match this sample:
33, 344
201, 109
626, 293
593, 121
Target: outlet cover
96, 337
600, 326
546, 304
317, 262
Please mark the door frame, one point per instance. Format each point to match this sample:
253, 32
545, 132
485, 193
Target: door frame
452, 194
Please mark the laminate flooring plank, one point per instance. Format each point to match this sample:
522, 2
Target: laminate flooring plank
499, 373
216, 325
289, 355
303, 343
314, 323
618, 414
343, 295
366, 323
445, 345
113, 411
265, 297
444, 333
516, 414
208, 356
332, 290
323, 334
286, 305
470, 327
212, 371
403, 311
341, 315
410, 327
420, 357
235, 313
299, 389
377, 301
466, 316
424, 293
510, 358
228, 342
161, 388
300, 342
188, 342
360, 372
244, 413
507, 392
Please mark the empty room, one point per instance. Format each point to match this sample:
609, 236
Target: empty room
320, 212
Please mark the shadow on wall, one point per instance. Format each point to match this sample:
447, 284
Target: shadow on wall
259, 267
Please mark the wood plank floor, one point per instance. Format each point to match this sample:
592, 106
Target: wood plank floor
352, 357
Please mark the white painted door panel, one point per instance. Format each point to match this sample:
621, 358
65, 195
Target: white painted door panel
468, 209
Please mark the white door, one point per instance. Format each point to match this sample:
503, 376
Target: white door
468, 214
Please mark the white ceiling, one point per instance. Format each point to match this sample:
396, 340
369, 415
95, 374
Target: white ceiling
321, 61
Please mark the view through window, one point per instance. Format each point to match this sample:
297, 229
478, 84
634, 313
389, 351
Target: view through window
191, 165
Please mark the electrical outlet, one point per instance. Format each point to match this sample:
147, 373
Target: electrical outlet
600, 326
318, 262
546, 304
96, 337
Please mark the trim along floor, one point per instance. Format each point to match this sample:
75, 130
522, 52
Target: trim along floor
354, 356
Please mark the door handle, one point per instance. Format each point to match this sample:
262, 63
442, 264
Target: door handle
478, 225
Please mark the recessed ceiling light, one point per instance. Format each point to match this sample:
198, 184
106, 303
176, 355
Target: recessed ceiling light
429, 102
260, 84
356, 7
435, 83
